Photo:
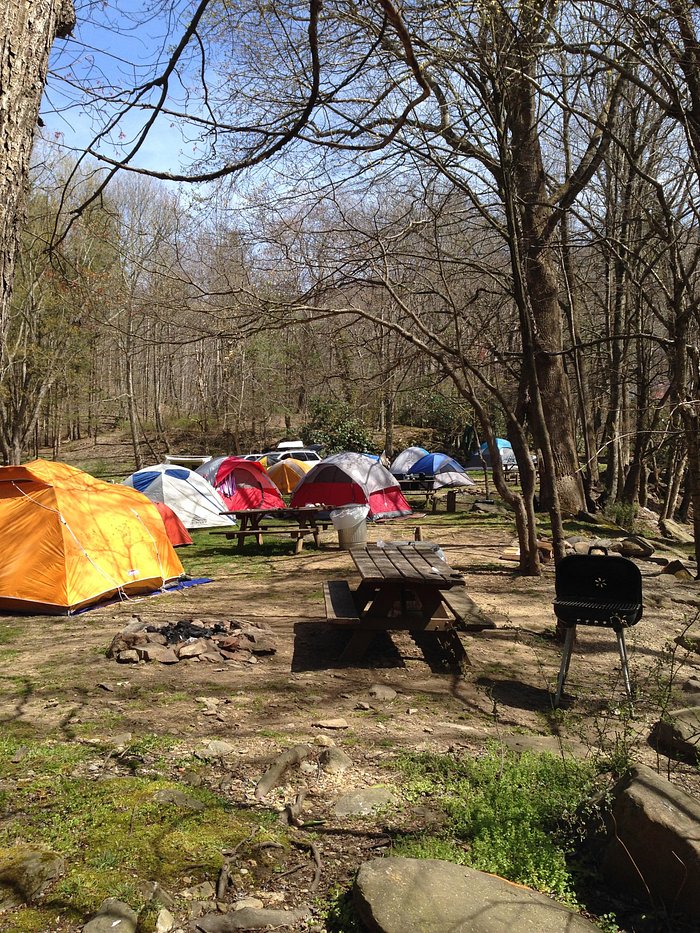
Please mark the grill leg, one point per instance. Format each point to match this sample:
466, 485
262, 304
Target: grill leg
623, 661
565, 661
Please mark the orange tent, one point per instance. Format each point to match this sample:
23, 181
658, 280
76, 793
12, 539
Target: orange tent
178, 535
72, 540
286, 474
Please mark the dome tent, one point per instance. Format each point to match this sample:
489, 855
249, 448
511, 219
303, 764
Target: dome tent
443, 470
190, 497
178, 535
286, 474
242, 484
403, 462
348, 479
482, 457
77, 540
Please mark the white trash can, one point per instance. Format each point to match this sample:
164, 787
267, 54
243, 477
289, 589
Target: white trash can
350, 522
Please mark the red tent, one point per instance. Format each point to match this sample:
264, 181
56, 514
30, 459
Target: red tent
242, 484
175, 530
348, 478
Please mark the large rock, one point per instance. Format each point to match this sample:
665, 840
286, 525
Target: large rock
402, 895
654, 847
679, 733
679, 533
364, 802
113, 917
250, 918
25, 873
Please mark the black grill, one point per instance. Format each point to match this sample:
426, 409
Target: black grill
596, 589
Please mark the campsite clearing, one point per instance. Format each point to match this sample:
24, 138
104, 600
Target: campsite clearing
65, 706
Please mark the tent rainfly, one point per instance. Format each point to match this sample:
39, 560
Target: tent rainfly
190, 496
178, 535
286, 474
350, 478
444, 471
242, 484
482, 458
77, 540
403, 462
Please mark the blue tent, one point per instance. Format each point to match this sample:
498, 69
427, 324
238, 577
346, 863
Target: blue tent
403, 462
483, 458
443, 470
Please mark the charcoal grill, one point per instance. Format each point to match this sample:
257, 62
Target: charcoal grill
596, 589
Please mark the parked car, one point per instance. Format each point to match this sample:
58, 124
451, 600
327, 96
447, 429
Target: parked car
274, 456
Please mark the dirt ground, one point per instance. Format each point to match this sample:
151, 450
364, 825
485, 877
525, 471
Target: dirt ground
54, 677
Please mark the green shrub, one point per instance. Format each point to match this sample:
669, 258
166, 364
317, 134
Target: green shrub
520, 817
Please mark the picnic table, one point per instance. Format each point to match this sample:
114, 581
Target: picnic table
255, 523
404, 587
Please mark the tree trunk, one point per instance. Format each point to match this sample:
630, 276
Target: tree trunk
27, 31
541, 287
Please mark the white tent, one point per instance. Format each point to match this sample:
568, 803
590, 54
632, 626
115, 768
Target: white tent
195, 502
403, 462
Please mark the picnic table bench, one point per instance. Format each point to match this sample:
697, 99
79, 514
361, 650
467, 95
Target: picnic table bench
306, 520
404, 587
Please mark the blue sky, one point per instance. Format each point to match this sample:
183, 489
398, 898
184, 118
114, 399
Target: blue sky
114, 46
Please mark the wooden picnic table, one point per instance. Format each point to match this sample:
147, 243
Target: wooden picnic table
404, 587
306, 520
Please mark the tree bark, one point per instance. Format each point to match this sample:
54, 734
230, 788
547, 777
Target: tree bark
27, 31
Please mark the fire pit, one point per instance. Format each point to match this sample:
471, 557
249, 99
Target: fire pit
199, 640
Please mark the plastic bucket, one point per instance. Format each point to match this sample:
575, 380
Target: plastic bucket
353, 536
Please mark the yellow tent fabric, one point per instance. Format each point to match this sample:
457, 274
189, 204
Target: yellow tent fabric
72, 540
285, 474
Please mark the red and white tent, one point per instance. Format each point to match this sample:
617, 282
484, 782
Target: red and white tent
242, 484
348, 478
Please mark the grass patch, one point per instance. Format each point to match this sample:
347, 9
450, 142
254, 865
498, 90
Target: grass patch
520, 817
211, 555
113, 831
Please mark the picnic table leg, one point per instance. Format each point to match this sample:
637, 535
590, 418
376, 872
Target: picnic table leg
298, 541
356, 648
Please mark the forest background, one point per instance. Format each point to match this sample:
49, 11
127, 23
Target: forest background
245, 219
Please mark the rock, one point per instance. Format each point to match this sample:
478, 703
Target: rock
334, 760
325, 741
679, 570
193, 649
113, 917
165, 921
243, 902
487, 507
363, 802
382, 692
403, 895
331, 724
158, 653
172, 795
215, 749
200, 892
654, 845
136, 625
689, 642
25, 872
152, 891
127, 656
156, 638
363, 706
679, 734
250, 919
692, 685
671, 529
635, 546
550, 744
118, 742
105, 686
